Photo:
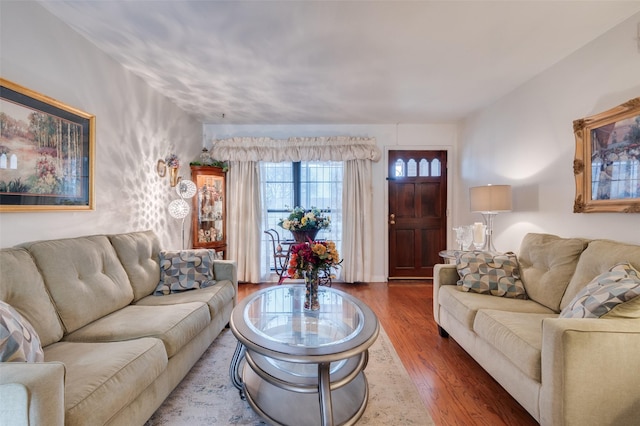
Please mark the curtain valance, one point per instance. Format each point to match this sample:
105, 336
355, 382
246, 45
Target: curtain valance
335, 148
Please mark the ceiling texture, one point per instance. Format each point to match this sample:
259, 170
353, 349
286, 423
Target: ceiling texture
337, 62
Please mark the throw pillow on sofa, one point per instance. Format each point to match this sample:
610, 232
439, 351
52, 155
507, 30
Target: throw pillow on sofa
490, 273
183, 270
615, 293
19, 342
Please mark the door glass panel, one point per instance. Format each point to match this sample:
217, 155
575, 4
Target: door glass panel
399, 168
424, 167
436, 167
412, 168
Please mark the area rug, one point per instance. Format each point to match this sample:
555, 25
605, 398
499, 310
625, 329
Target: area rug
206, 396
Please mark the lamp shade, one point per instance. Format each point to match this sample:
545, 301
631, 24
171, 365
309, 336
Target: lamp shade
490, 198
186, 188
179, 209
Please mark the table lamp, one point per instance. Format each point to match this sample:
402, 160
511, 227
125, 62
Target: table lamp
489, 200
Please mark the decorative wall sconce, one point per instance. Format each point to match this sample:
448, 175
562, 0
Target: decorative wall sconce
173, 164
161, 168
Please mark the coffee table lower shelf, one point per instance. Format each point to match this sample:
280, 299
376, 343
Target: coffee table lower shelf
289, 408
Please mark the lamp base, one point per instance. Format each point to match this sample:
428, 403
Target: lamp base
488, 221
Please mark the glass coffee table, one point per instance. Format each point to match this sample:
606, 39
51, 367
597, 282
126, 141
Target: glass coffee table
298, 367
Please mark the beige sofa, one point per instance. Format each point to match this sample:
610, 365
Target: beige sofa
112, 350
563, 371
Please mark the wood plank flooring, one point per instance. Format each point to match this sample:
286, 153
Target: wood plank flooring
454, 388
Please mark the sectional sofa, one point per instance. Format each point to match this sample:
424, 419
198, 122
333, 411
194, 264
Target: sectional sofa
112, 351
567, 347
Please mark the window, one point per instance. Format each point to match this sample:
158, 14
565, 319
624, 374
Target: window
307, 184
410, 169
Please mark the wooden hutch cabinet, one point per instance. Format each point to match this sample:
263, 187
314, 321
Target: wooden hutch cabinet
209, 209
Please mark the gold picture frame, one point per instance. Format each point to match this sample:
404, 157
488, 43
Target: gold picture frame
607, 160
47, 152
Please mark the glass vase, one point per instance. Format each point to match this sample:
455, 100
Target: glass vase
311, 301
305, 236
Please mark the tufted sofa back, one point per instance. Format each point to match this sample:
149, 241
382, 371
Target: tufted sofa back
22, 287
138, 252
84, 277
547, 263
599, 257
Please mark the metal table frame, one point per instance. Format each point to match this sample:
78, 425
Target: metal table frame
255, 356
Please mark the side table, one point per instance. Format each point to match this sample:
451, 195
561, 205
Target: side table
449, 256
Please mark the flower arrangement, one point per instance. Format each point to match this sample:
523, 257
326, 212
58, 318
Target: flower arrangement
172, 161
305, 220
312, 257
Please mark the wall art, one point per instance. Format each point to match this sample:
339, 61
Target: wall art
46, 153
607, 161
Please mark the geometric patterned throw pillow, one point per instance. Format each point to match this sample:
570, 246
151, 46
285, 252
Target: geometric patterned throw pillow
183, 270
490, 273
18, 340
615, 291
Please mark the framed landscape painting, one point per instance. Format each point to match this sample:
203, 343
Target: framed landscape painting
607, 162
46, 153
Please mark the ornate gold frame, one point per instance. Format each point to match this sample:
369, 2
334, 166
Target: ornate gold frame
73, 194
593, 142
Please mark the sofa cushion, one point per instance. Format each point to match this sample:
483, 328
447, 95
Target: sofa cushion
490, 273
547, 263
217, 297
19, 342
183, 270
612, 294
138, 253
23, 288
174, 325
103, 378
517, 335
464, 306
596, 259
84, 277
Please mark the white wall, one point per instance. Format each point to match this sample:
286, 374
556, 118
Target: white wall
388, 136
526, 139
135, 127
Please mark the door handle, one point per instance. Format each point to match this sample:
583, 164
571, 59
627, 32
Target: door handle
392, 219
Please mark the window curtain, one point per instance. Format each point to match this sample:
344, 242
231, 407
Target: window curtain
244, 200
357, 221
244, 213
337, 148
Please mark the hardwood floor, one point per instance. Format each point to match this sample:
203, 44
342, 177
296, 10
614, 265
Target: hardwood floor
454, 388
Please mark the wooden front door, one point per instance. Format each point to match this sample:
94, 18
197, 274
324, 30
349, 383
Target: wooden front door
417, 219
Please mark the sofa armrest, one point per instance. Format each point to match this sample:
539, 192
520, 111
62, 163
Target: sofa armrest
443, 274
36, 392
227, 270
589, 372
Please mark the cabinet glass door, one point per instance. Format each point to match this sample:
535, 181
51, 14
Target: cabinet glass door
209, 213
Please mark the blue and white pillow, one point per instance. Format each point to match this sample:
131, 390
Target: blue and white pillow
19, 342
615, 293
495, 274
184, 270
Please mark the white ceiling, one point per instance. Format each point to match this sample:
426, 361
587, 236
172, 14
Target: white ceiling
337, 62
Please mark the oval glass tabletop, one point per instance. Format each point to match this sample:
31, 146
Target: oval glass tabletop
274, 316
274, 319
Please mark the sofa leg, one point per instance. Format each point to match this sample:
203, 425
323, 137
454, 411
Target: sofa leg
442, 332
